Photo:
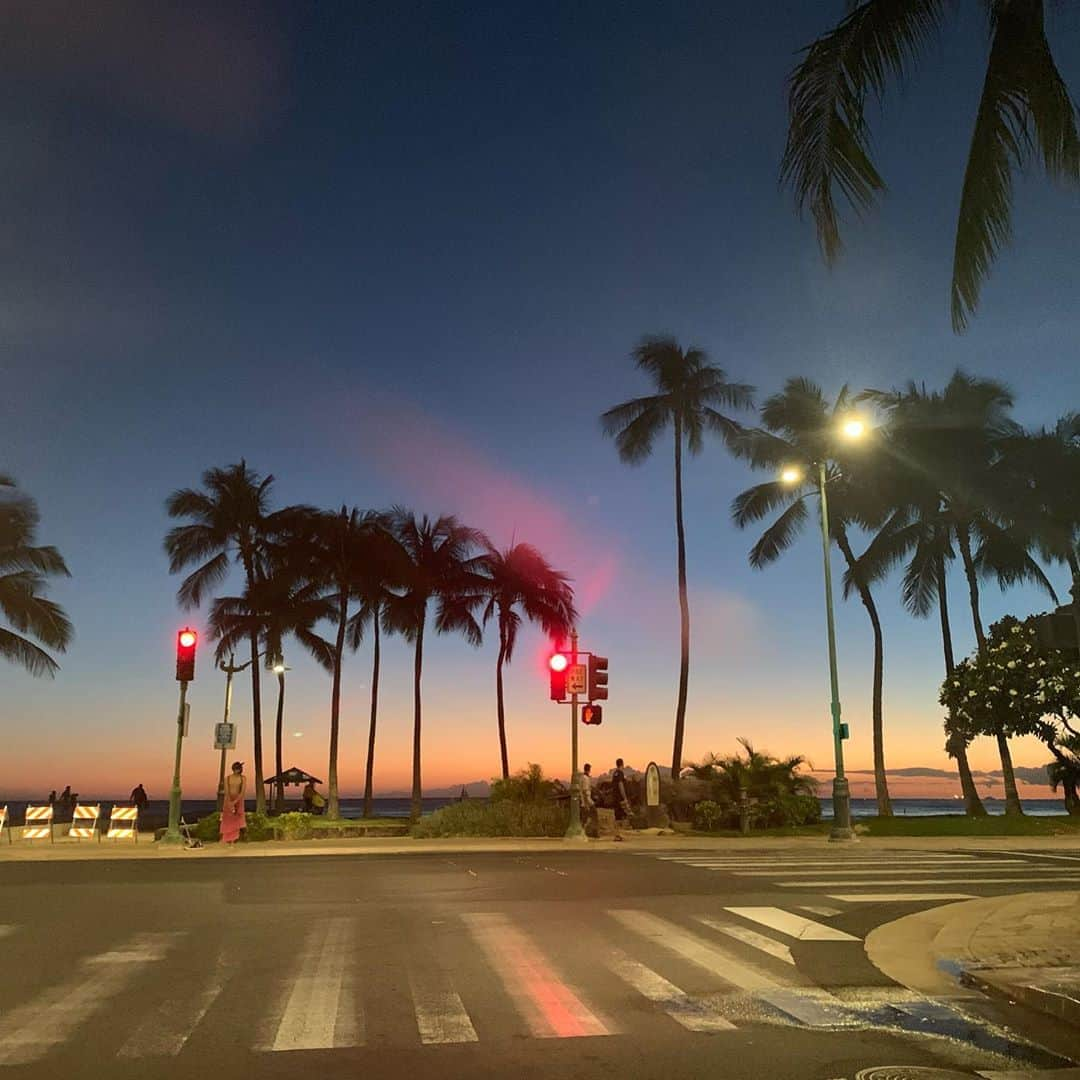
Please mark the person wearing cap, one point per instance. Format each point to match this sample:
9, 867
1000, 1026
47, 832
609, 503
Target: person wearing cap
233, 819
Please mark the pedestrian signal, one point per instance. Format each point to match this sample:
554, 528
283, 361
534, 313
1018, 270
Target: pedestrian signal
186, 641
598, 674
592, 714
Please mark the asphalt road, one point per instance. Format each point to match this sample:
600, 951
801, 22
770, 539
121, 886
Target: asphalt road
605, 963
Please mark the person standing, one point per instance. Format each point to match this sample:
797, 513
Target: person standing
585, 785
140, 798
622, 800
233, 818
52, 798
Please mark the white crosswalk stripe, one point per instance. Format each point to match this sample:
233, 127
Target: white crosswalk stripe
320, 1012
795, 926
751, 938
440, 1015
903, 898
548, 1005
849, 883
693, 1014
29, 1031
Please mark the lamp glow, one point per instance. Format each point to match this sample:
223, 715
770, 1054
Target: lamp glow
791, 475
854, 428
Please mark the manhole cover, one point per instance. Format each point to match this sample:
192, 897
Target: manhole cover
910, 1072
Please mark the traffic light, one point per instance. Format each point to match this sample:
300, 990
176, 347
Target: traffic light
558, 663
186, 641
597, 678
592, 714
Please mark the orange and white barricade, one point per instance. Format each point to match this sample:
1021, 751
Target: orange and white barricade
38, 823
123, 823
84, 821
4, 823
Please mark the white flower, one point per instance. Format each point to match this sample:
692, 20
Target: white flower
1012, 693
956, 684
971, 693
1011, 664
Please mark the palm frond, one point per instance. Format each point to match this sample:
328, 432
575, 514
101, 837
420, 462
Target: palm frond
1025, 109
198, 583
760, 500
779, 536
32, 657
828, 146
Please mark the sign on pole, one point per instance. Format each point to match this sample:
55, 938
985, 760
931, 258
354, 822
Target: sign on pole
225, 736
577, 679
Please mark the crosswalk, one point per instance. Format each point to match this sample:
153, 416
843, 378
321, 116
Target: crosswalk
852, 877
709, 972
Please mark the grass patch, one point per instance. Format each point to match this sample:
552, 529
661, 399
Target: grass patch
957, 825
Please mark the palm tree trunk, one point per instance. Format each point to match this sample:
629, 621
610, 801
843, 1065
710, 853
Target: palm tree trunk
256, 724
684, 612
333, 810
881, 785
1012, 796
499, 702
955, 745
964, 539
279, 787
370, 769
418, 668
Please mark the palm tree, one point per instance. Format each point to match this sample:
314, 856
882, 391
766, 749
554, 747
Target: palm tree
24, 572
520, 577
281, 603
918, 532
374, 589
799, 430
229, 519
1025, 116
440, 572
346, 548
688, 389
951, 442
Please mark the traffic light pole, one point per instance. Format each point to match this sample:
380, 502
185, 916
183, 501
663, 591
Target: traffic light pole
172, 833
574, 828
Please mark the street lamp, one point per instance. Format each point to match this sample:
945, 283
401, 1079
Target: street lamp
279, 670
852, 428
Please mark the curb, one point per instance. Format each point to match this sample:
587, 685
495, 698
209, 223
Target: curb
1052, 1000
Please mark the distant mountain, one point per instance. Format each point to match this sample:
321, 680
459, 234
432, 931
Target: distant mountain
476, 789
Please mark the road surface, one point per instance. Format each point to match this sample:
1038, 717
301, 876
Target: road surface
614, 962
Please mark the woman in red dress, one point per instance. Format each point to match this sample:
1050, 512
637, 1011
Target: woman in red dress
232, 811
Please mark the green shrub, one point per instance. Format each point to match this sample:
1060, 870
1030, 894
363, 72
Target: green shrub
293, 826
709, 816
505, 817
528, 785
259, 827
207, 828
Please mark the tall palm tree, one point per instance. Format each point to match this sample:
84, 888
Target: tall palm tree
346, 547
374, 590
280, 604
230, 518
800, 430
1025, 116
688, 391
440, 572
952, 441
520, 577
916, 532
25, 569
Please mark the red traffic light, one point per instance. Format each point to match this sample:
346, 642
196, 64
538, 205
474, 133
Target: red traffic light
186, 640
559, 661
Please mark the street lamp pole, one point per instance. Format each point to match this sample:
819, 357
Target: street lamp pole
841, 829
230, 669
574, 828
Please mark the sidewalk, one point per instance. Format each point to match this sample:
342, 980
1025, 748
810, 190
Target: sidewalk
1023, 947
645, 840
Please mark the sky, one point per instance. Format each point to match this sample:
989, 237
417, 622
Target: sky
399, 253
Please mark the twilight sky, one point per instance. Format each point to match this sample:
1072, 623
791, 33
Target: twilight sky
399, 252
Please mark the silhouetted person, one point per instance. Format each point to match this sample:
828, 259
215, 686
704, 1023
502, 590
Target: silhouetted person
65, 804
52, 797
585, 796
622, 800
140, 798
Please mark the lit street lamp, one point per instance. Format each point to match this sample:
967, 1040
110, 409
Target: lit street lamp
851, 429
279, 670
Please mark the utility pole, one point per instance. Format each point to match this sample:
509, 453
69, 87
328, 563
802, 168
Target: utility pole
574, 828
230, 670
